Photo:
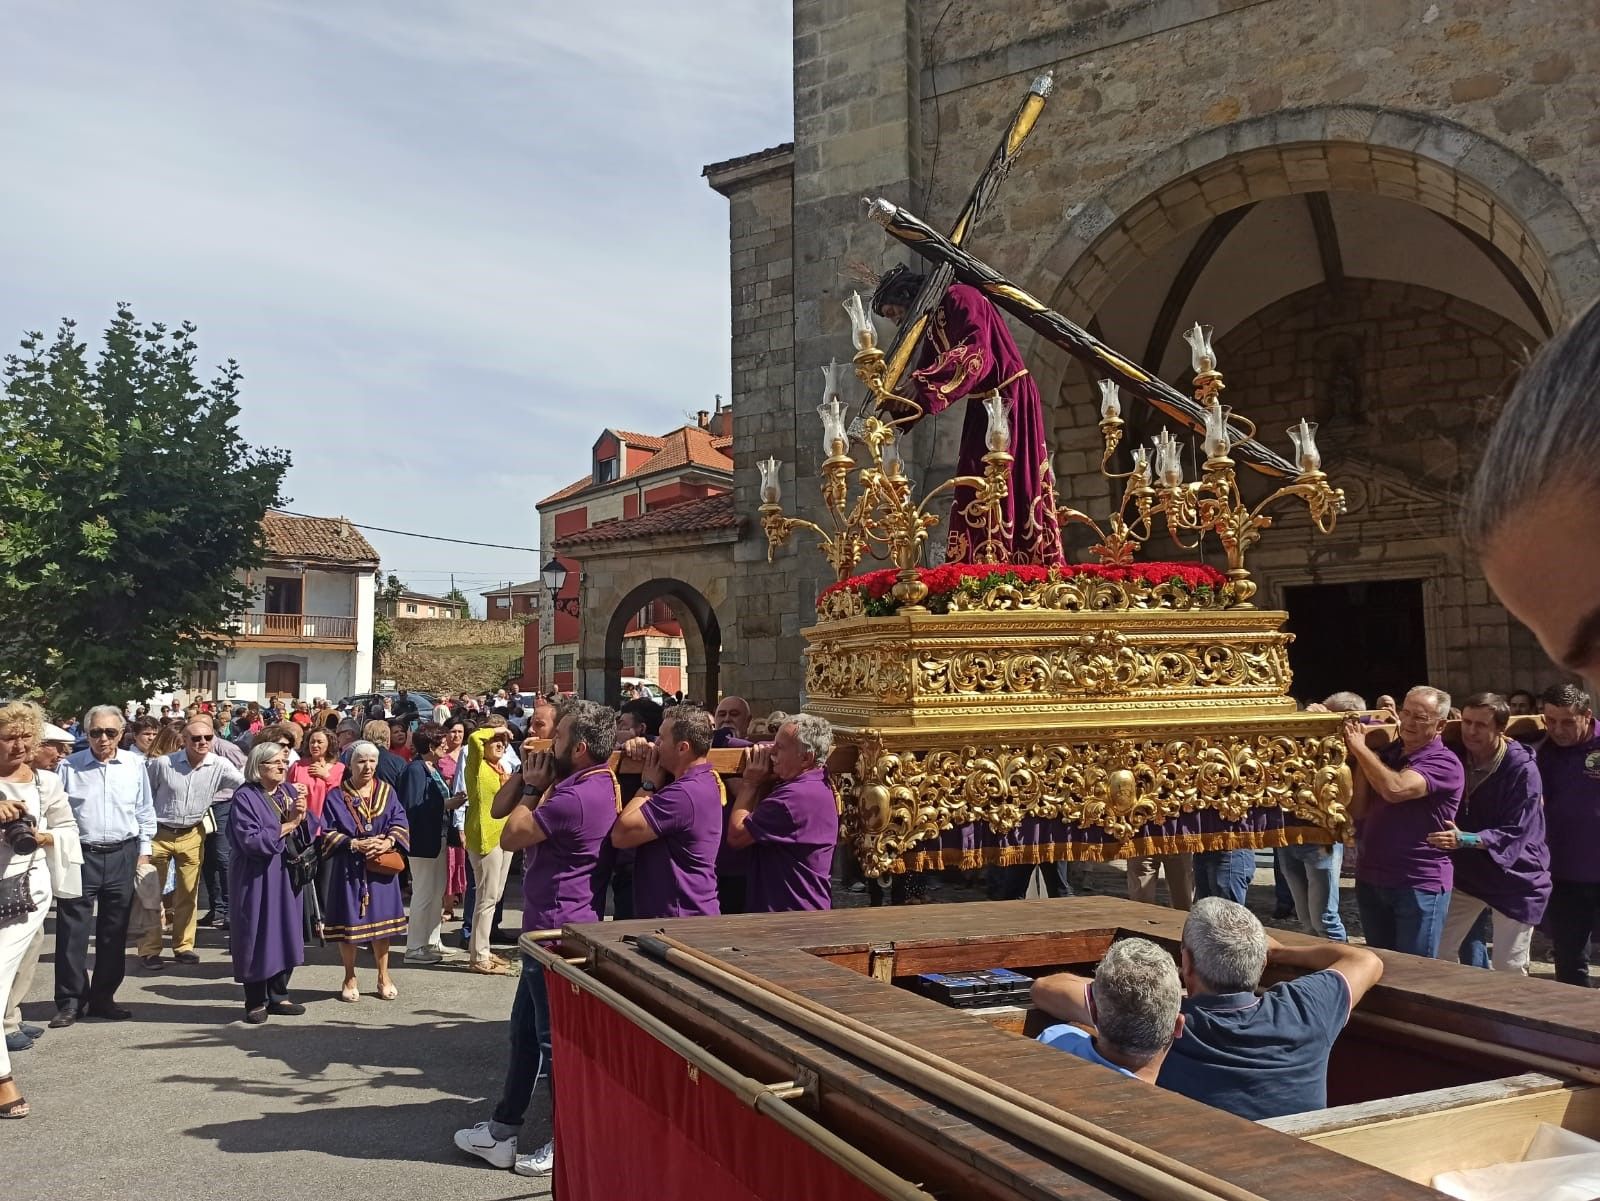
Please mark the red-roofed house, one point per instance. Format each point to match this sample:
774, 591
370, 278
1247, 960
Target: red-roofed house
638, 487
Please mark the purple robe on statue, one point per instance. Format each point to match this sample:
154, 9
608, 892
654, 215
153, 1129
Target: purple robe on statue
360, 906
266, 922
970, 355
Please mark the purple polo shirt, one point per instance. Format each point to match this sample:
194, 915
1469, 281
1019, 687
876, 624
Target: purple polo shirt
1571, 776
562, 881
1394, 848
675, 876
1511, 870
795, 829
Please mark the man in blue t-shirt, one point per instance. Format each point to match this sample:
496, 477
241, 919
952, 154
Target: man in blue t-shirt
1132, 1003
1260, 1055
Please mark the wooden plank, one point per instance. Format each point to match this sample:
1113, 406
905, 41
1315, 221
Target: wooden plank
1347, 1117
1420, 1146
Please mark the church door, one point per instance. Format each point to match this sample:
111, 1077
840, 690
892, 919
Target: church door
1366, 636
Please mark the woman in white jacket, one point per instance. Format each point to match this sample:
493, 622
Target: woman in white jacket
37, 795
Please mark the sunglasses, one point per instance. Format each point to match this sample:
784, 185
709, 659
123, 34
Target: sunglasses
288, 746
105, 733
200, 737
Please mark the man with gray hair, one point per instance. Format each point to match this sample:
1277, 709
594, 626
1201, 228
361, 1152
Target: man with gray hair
1133, 1004
1403, 793
1260, 1055
788, 818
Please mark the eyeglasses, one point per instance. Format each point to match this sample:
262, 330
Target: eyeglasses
288, 746
201, 737
105, 733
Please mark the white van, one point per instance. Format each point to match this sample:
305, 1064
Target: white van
650, 687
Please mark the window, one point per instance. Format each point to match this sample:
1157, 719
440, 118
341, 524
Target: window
284, 594
502, 602
633, 656
670, 656
411, 608
605, 470
561, 663
203, 677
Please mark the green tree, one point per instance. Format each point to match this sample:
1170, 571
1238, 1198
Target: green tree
460, 598
128, 505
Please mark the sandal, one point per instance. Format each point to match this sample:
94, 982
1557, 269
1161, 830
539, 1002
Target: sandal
489, 966
351, 994
13, 1109
387, 992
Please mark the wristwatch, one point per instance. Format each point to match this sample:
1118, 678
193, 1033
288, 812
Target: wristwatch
647, 786
529, 790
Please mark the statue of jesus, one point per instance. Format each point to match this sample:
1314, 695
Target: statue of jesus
970, 355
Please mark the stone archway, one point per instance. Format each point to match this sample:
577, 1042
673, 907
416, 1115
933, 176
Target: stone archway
702, 636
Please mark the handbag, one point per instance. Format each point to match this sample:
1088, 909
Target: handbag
383, 863
16, 898
208, 822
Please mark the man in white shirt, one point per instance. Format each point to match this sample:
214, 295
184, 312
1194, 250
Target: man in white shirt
109, 791
182, 785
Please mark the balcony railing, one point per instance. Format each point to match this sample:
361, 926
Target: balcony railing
294, 627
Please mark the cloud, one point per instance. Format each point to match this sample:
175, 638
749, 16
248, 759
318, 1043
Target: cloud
447, 242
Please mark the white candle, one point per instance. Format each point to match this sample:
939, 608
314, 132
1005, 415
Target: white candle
1306, 455
862, 332
1200, 353
771, 489
1110, 401
999, 435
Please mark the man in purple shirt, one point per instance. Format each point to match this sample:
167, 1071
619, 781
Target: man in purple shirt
569, 800
1403, 793
788, 817
1497, 841
676, 827
1569, 765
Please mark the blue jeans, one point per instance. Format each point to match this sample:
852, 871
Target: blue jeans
530, 1053
1225, 874
1312, 873
1403, 919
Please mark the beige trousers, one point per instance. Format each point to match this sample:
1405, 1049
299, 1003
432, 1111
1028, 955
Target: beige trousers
490, 872
1142, 872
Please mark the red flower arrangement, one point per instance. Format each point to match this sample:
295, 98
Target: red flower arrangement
876, 587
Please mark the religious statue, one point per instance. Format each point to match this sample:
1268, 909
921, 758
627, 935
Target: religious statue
970, 355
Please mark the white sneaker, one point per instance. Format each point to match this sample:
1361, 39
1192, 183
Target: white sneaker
424, 955
541, 1163
501, 1152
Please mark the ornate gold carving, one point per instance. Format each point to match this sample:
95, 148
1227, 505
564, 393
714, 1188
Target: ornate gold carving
1116, 786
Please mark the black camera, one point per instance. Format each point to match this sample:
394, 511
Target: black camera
20, 836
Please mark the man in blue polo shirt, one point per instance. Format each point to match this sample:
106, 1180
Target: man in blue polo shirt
1132, 1003
1260, 1055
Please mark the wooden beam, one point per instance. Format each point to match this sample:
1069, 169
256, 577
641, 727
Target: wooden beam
1327, 232
1194, 264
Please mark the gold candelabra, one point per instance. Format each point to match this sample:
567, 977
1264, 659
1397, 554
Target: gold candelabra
1211, 504
884, 518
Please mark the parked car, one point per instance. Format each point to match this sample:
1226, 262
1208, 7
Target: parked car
424, 701
650, 688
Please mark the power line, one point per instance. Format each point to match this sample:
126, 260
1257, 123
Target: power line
409, 534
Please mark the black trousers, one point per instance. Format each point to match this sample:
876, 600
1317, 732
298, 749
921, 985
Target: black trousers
214, 867
732, 894
269, 991
106, 904
1573, 918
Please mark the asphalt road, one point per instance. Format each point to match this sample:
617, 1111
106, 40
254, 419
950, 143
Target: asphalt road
187, 1100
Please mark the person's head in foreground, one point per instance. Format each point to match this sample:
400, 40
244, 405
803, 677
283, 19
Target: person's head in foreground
1134, 1002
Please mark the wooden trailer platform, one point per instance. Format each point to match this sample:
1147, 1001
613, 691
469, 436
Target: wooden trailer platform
1442, 1067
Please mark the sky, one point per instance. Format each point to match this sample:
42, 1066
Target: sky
448, 241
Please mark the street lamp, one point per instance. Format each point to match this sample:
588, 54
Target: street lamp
554, 577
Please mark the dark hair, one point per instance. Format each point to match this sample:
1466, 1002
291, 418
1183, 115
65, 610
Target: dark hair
899, 286
646, 712
690, 724
1516, 692
1566, 696
1492, 701
1547, 434
427, 737
593, 724
140, 724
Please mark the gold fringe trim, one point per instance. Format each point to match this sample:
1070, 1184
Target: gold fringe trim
364, 932
967, 859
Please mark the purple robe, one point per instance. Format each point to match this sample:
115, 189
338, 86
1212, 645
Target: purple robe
1571, 777
266, 920
1510, 872
361, 907
971, 354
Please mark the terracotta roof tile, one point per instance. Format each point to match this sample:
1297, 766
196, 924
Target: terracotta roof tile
686, 446
571, 489
640, 441
327, 539
712, 513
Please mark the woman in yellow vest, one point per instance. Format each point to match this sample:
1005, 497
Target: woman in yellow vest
488, 766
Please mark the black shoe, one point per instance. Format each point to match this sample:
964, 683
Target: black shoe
256, 1016
187, 958
31, 1030
63, 1019
108, 1012
285, 1009
153, 963
221, 923
502, 938
207, 919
